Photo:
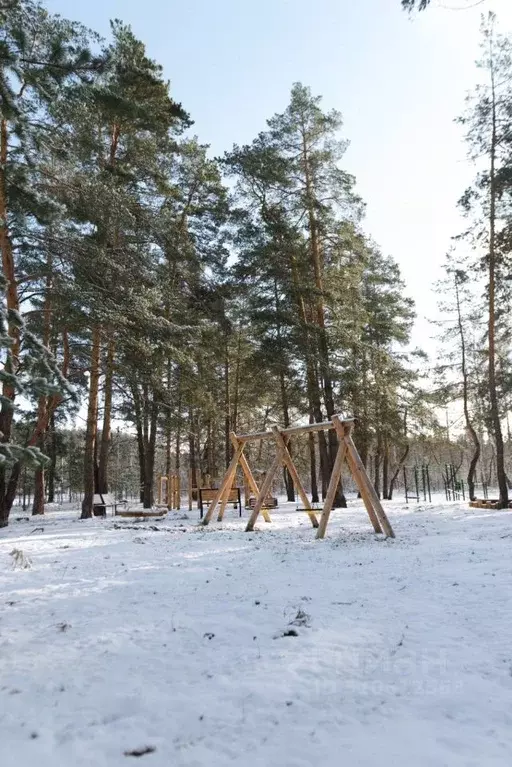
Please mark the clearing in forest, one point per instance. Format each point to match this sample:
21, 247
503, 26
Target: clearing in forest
189, 646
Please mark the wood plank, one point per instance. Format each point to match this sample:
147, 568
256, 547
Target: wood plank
364, 493
288, 462
365, 479
263, 494
227, 492
333, 484
249, 477
227, 481
208, 494
323, 426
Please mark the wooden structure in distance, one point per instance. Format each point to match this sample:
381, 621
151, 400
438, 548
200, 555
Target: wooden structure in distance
347, 452
169, 491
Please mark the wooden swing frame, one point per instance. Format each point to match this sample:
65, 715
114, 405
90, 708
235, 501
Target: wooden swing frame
347, 452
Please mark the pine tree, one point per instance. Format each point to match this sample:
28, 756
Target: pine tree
39, 53
488, 201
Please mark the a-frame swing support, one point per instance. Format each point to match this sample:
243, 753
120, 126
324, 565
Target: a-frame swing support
347, 453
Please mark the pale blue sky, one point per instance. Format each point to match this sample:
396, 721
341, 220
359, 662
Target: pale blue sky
398, 82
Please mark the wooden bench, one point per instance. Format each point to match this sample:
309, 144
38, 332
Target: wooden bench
269, 503
207, 494
101, 501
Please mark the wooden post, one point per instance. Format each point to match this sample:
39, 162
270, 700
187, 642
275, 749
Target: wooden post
249, 477
263, 494
173, 482
366, 486
189, 490
227, 481
225, 497
178, 492
286, 458
364, 493
335, 478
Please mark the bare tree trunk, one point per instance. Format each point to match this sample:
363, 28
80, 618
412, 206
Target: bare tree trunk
493, 393
52, 468
236, 393
38, 502
39, 474
312, 464
92, 425
178, 436
192, 448
139, 428
465, 396
106, 433
385, 470
227, 406
149, 465
394, 478
11, 362
288, 481
168, 422
401, 460
377, 460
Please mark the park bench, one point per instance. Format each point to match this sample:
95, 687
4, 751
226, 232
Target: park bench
207, 494
102, 501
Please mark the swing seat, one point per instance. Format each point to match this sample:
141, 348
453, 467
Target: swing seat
269, 503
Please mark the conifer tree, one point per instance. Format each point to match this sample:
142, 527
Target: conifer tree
39, 54
487, 203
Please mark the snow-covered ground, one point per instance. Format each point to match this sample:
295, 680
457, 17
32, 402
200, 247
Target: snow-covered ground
210, 646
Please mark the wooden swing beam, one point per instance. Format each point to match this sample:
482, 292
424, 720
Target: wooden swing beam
347, 452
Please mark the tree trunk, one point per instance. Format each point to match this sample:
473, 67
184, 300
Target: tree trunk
227, 406
493, 393
401, 461
192, 449
465, 396
394, 478
11, 362
38, 502
288, 481
312, 464
106, 432
168, 422
92, 425
52, 468
323, 345
385, 471
377, 460
236, 393
137, 407
312, 382
178, 432
149, 464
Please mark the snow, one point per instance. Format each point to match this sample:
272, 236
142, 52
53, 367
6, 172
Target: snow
122, 636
